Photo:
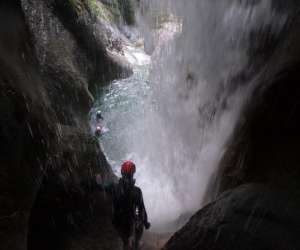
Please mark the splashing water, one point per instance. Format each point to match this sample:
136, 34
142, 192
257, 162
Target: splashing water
175, 122
122, 103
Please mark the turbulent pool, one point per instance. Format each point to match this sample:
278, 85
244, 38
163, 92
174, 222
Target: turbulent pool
122, 103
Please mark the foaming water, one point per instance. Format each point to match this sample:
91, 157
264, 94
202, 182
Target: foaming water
122, 103
174, 120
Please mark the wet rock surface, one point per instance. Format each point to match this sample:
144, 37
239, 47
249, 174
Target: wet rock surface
154, 241
51, 60
251, 216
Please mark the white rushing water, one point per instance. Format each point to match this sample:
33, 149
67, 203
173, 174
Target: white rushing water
174, 122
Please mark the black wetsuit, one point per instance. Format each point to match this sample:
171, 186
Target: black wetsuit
129, 213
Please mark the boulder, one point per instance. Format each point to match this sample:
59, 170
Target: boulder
251, 216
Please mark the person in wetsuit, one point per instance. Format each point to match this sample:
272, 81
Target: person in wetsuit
129, 212
99, 117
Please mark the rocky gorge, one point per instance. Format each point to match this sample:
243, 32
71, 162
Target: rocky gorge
56, 54
53, 53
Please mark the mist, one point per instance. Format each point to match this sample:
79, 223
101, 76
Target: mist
202, 95
197, 103
178, 131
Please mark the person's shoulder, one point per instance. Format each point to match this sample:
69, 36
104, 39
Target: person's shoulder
136, 187
137, 190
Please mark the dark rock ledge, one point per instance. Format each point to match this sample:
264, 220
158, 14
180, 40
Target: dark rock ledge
51, 60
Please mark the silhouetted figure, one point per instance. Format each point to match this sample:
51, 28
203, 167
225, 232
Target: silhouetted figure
129, 213
99, 116
98, 131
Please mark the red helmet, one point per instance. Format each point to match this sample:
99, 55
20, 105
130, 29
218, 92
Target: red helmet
128, 168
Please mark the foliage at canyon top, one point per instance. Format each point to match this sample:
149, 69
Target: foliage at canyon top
118, 11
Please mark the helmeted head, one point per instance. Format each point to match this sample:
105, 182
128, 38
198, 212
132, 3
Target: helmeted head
99, 114
128, 169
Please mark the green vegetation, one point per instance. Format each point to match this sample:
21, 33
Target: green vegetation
77, 5
112, 10
100, 10
126, 8
116, 11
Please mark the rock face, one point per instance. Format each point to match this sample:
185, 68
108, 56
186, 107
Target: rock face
51, 59
249, 217
256, 201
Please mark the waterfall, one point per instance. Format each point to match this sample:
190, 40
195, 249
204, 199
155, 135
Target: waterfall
199, 104
200, 80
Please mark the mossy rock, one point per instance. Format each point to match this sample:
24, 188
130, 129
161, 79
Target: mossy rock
110, 10
116, 11
121, 10
127, 10
78, 6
